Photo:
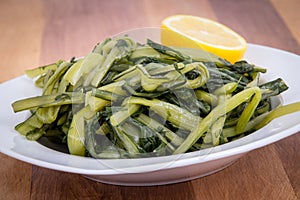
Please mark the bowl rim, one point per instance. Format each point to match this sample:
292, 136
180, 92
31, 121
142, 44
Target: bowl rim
165, 162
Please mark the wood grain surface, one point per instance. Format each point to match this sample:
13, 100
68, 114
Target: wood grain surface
37, 32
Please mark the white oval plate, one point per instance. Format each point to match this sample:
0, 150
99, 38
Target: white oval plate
158, 170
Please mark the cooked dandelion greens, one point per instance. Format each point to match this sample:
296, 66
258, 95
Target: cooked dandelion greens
129, 100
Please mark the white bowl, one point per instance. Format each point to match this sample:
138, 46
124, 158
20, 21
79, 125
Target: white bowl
156, 170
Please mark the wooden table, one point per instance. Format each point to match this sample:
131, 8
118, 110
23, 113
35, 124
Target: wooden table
37, 32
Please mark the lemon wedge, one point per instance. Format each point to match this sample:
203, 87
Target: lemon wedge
196, 32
